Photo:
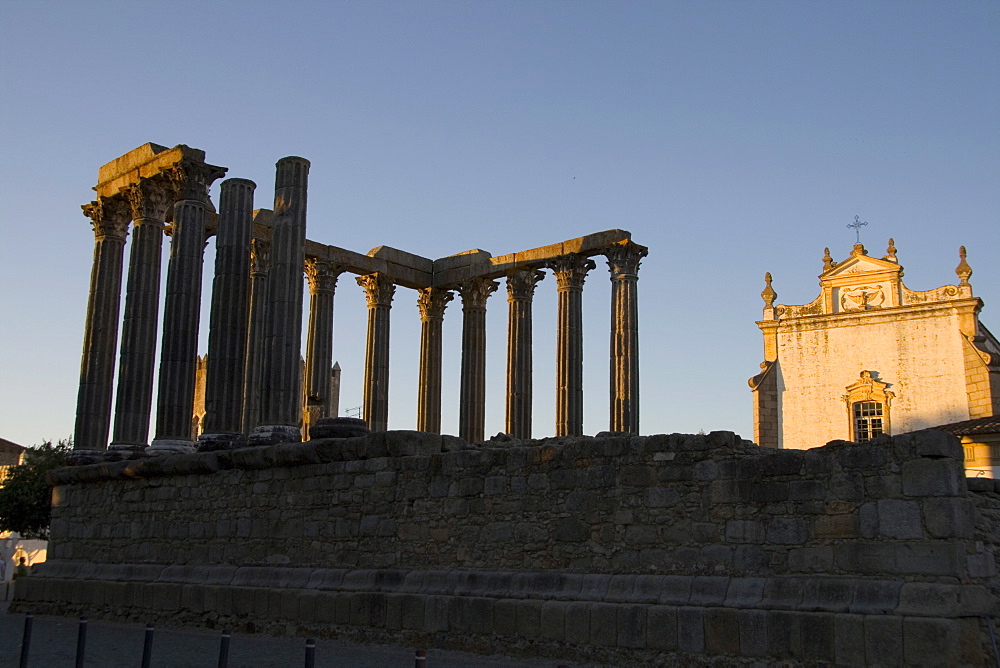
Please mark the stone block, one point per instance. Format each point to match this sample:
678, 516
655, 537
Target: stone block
933, 477
810, 559
459, 613
783, 593
647, 589
708, 590
578, 622
505, 617
931, 642
744, 531
691, 630
899, 519
553, 620
787, 531
481, 615
661, 627
946, 517
911, 557
873, 597
849, 640
750, 559
883, 640
632, 625
722, 631
753, 632
784, 636
676, 590
817, 633
594, 586
603, 624
745, 592
620, 588
929, 599
828, 594
529, 618
932, 443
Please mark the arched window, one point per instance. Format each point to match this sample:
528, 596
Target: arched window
868, 408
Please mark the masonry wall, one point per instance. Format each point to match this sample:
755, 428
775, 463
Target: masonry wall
657, 548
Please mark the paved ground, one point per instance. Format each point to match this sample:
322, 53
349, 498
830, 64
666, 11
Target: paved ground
111, 644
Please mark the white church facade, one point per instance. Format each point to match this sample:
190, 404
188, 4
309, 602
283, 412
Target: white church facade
870, 356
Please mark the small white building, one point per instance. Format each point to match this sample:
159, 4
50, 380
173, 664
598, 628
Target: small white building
870, 356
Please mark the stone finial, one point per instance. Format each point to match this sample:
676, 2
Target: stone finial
768, 294
828, 262
859, 249
963, 269
890, 252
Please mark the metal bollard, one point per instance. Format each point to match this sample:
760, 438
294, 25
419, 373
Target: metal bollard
81, 642
147, 646
310, 652
26, 639
421, 659
224, 649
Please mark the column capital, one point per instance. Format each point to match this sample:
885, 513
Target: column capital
521, 283
260, 257
571, 271
109, 217
624, 258
378, 288
191, 179
432, 302
149, 199
322, 276
475, 292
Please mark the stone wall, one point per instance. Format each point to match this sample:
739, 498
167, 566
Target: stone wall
655, 548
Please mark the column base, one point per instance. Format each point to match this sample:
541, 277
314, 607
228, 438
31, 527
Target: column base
170, 446
126, 447
83, 457
339, 427
211, 442
269, 434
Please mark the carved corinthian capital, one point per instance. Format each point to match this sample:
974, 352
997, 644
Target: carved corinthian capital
109, 217
191, 180
624, 258
149, 199
260, 257
571, 271
379, 289
322, 276
521, 283
432, 302
475, 292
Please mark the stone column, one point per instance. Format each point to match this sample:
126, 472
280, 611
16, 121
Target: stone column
110, 217
623, 262
432, 303
379, 291
182, 309
149, 200
227, 334
472, 407
322, 276
260, 264
570, 271
520, 291
281, 394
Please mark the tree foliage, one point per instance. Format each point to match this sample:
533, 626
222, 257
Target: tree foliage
25, 496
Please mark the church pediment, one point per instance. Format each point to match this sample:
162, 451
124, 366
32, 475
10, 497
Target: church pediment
857, 266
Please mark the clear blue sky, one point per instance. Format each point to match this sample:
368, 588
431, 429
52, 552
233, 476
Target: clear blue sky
731, 138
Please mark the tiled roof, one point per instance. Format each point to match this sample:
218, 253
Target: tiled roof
986, 425
10, 446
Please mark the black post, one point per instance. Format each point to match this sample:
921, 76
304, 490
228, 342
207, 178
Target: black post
81, 642
224, 649
310, 652
26, 639
147, 646
421, 659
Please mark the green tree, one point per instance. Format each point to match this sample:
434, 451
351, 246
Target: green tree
25, 497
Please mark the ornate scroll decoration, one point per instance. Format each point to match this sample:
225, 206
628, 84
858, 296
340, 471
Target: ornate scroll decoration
432, 303
260, 257
378, 288
868, 388
624, 258
322, 276
521, 283
475, 292
864, 298
149, 199
963, 270
769, 295
571, 271
109, 217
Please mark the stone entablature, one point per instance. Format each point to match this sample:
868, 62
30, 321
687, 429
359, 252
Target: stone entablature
927, 349
664, 549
